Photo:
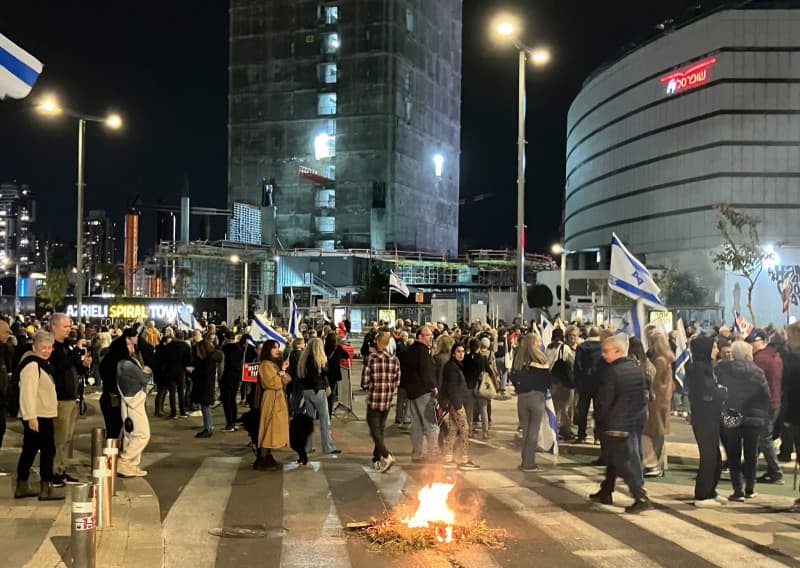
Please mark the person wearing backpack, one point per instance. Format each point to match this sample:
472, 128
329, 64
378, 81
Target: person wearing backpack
587, 361
38, 408
561, 360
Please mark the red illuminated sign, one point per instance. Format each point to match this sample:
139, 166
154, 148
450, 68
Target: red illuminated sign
688, 78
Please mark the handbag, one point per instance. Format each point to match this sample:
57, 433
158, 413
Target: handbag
441, 413
485, 387
508, 360
731, 418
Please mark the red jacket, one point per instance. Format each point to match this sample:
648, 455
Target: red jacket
771, 363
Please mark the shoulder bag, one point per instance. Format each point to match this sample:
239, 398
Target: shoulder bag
485, 387
561, 370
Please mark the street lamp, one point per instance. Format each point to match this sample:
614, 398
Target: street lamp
236, 259
507, 29
559, 249
49, 106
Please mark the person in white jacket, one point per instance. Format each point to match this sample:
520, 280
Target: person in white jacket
38, 408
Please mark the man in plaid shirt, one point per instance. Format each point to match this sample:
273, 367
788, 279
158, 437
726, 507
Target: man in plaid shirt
380, 379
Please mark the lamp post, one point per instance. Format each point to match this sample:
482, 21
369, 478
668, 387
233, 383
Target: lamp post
236, 259
49, 106
507, 28
559, 249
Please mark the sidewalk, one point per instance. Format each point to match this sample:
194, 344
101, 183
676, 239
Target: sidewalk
36, 534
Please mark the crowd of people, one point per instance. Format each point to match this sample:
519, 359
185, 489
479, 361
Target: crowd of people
739, 393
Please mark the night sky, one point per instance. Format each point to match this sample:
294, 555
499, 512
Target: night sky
163, 66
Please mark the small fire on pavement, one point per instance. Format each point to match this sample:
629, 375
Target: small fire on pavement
433, 524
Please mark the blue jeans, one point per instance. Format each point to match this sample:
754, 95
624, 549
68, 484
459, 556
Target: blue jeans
208, 424
767, 447
317, 406
423, 425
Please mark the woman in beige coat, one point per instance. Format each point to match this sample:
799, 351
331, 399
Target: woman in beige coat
273, 429
657, 426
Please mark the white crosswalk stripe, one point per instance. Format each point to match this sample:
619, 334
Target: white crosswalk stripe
199, 508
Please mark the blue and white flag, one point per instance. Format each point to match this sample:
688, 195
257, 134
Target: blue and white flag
19, 70
547, 332
396, 284
548, 431
187, 322
261, 330
628, 276
294, 317
682, 353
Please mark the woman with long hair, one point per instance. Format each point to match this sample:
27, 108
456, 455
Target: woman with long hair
132, 379
312, 369
658, 407
273, 428
456, 396
442, 346
531, 378
563, 394
110, 399
336, 354
204, 377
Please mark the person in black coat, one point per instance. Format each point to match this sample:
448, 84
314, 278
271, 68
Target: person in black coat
336, 354
475, 364
748, 396
790, 393
587, 364
621, 404
173, 356
416, 367
456, 396
110, 399
706, 399
233, 353
203, 381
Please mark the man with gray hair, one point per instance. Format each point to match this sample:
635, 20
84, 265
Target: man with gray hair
416, 366
622, 402
68, 363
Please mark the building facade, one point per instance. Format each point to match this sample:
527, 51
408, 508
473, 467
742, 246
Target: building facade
17, 215
706, 113
99, 240
344, 121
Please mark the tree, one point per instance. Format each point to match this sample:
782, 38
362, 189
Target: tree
54, 288
376, 289
741, 249
682, 289
540, 297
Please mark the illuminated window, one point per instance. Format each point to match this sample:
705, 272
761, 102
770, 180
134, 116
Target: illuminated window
329, 14
325, 224
324, 146
326, 104
325, 198
326, 72
409, 20
330, 43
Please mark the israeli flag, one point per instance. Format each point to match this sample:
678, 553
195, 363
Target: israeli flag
547, 332
741, 325
261, 330
19, 70
294, 317
682, 351
187, 322
396, 284
548, 431
628, 276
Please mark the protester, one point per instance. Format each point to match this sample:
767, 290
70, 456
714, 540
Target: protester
745, 410
132, 379
587, 359
562, 389
417, 372
380, 379
791, 392
656, 427
312, 368
273, 429
456, 396
475, 363
769, 361
531, 378
38, 407
6, 368
204, 382
174, 357
233, 357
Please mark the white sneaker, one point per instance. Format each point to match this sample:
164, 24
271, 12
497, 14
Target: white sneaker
195, 413
707, 503
386, 463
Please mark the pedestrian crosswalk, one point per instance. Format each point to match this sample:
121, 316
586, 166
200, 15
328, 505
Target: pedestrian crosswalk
547, 514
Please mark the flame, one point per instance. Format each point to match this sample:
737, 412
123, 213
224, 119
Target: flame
433, 509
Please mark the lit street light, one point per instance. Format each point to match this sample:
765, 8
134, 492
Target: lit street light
49, 106
507, 29
559, 249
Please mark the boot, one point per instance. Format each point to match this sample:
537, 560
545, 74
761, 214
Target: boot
265, 461
24, 490
47, 492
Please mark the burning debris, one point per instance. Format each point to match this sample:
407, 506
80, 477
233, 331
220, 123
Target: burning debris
432, 525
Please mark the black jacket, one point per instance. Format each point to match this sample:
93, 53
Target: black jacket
588, 365
622, 397
474, 365
704, 393
790, 393
416, 368
234, 361
748, 391
531, 379
66, 362
454, 385
203, 377
315, 379
172, 359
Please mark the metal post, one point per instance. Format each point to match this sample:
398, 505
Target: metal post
111, 451
79, 213
82, 548
244, 290
98, 442
101, 477
521, 186
563, 286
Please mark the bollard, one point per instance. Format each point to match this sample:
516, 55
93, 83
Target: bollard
83, 537
101, 477
111, 451
98, 443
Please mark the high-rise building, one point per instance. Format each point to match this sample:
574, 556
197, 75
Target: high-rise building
345, 116
17, 215
99, 240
